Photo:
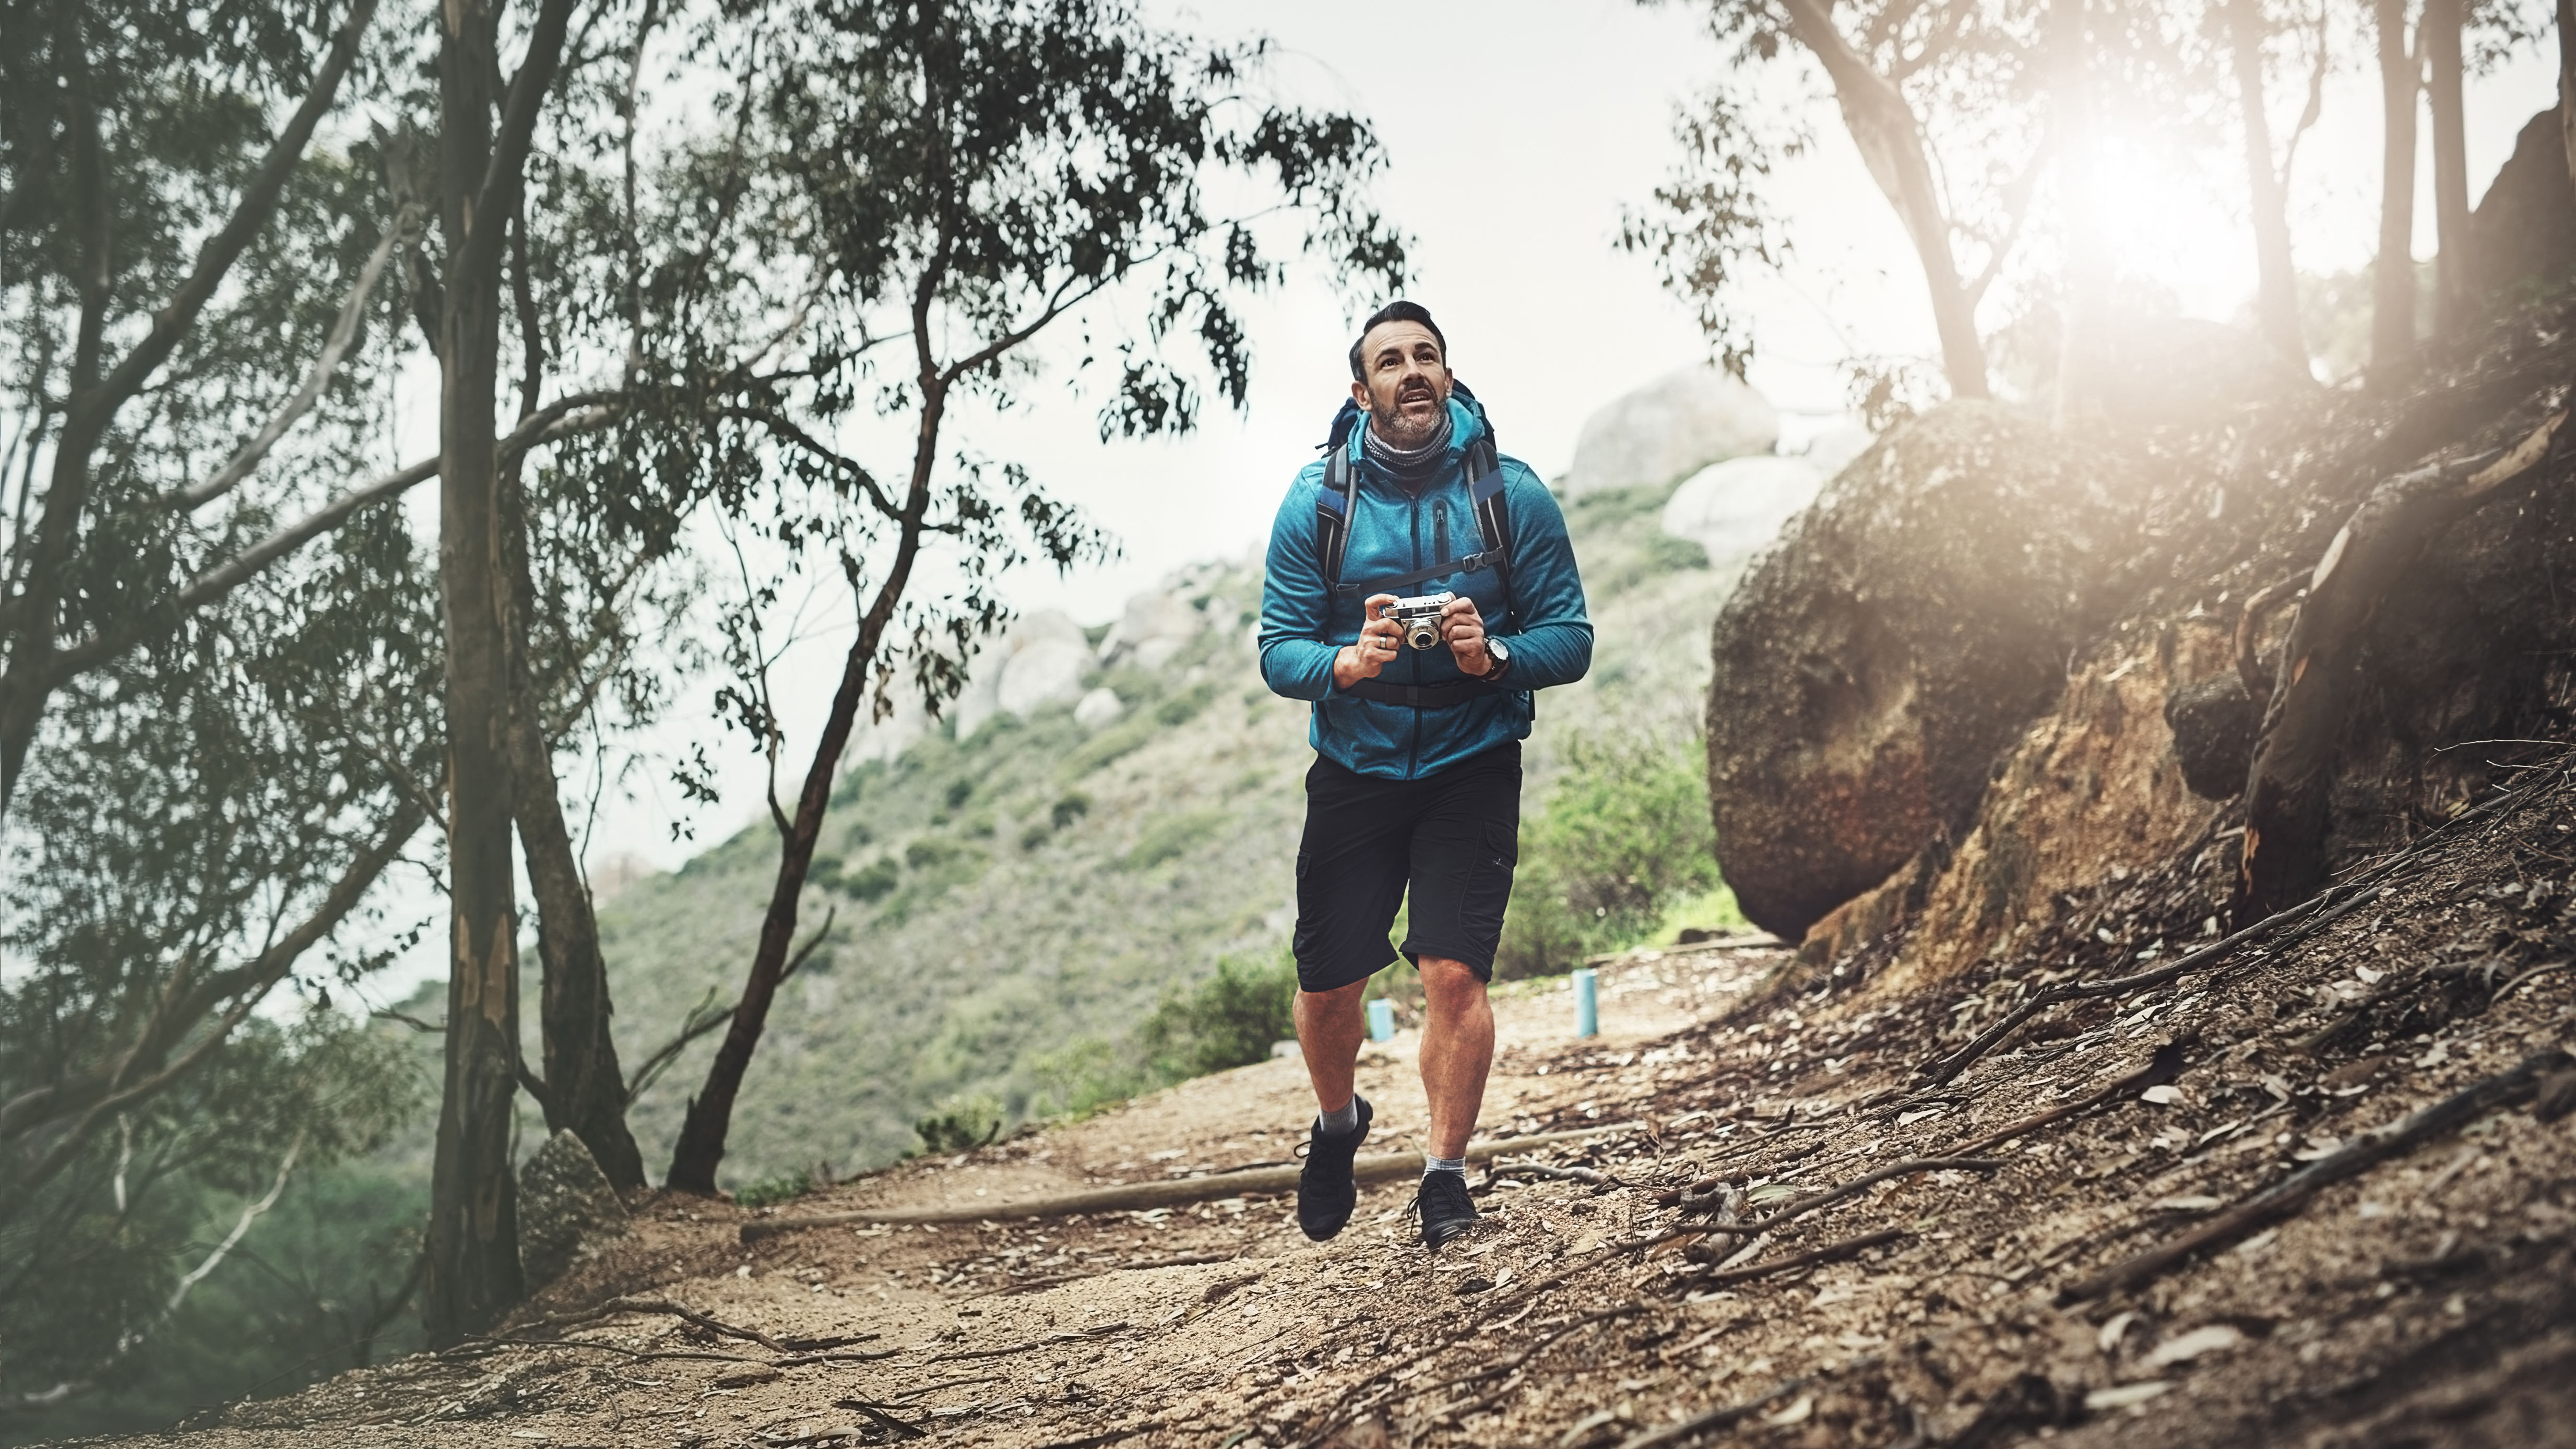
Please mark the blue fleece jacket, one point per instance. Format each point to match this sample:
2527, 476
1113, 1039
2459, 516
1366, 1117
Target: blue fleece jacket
1396, 530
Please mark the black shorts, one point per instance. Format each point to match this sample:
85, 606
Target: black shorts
1453, 837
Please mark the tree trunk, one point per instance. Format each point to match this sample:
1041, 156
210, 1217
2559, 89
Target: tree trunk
473, 1243
585, 1086
1882, 125
2392, 304
2567, 85
702, 1136
2455, 292
2286, 793
2088, 264
2276, 283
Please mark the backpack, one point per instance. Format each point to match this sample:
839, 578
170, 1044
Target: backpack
1340, 495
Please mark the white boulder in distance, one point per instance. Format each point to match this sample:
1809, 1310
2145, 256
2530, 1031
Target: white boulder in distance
884, 739
1097, 708
1669, 429
1156, 625
1832, 451
1735, 508
1039, 662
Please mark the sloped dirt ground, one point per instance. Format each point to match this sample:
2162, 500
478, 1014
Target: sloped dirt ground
2426, 1299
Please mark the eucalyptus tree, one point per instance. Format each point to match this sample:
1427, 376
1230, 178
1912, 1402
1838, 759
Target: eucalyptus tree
938, 188
1937, 97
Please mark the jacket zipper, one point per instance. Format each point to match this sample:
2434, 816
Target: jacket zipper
1413, 752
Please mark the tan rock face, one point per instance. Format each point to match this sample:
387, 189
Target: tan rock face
1901, 635
2094, 787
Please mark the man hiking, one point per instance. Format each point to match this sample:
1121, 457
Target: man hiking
1420, 705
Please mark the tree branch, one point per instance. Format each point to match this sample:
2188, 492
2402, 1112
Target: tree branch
221, 250
343, 332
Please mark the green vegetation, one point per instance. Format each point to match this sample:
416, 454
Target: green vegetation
1624, 837
961, 1125
1171, 837
774, 1190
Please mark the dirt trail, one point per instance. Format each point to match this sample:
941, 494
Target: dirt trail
2426, 1299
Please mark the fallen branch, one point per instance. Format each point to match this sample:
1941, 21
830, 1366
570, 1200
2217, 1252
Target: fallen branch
2160, 1069
1948, 1068
1698, 1424
2249, 625
1829, 1253
2293, 1192
1050, 1341
2295, 757
616, 1306
1799, 1207
1144, 1196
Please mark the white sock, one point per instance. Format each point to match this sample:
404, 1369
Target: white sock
1340, 1121
1432, 1164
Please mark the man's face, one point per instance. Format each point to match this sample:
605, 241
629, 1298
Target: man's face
1404, 382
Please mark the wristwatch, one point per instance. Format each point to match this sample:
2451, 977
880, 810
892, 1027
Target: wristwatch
1501, 655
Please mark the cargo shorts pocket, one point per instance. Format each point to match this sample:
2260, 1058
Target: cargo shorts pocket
1489, 886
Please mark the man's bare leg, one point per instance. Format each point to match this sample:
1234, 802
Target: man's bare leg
1457, 1051
1330, 1029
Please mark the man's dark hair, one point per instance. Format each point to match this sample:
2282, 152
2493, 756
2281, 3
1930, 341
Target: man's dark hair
1395, 311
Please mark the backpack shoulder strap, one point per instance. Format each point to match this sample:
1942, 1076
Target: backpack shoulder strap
1491, 500
1333, 504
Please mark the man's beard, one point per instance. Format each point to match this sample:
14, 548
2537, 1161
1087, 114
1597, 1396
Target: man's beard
1402, 431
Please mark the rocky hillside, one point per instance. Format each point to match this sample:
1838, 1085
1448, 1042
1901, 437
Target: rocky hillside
1107, 812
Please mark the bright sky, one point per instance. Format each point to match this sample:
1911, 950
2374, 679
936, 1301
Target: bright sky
1517, 131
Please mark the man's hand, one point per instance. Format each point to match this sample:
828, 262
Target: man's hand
1464, 628
1379, 639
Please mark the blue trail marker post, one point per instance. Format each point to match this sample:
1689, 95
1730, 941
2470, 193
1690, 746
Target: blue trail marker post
1587, 1002
1381, 1019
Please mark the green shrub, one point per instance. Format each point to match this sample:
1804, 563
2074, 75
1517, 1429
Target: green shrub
1229, 1020
1172, 837
965, 1123
959, 792
1069, 809
1624, 835
930, 852
1112, 744
1036, 836
1181, 708
776, 1189
875, 881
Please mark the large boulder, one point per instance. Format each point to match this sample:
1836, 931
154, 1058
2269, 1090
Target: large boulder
1041, 661
565, 1202
2525, 226
1872, 666
1154, 627
1669, 429
1733, 509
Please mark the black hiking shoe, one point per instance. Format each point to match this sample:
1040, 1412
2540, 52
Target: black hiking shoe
1326, 1192
1447, 1212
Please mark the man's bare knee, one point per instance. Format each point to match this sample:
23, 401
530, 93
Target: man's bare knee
1449, 983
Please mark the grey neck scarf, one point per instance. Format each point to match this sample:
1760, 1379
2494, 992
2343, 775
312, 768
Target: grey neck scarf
1411, 467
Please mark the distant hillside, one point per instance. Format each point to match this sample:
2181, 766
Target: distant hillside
1008, 905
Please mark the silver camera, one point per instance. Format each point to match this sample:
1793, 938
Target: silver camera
1419, 617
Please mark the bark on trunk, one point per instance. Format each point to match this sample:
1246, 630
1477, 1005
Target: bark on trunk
585, 1086
2455, 291
473, 1242
2276, 298
1882, 125
2392, 304
701, 1147
2088, 267
2286, 816
2567, 85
